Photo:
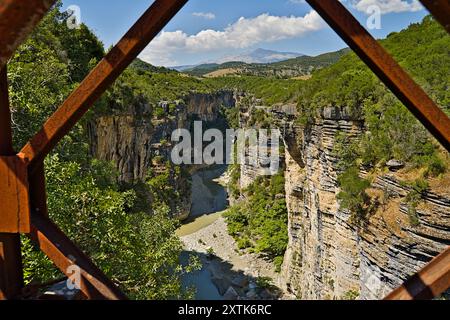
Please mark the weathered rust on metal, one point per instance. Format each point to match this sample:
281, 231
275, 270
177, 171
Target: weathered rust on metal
15, 202
430, 282
386, 68
11, 274
15, 211
440, 9
17, 20
68, 258
101, 77
6, 142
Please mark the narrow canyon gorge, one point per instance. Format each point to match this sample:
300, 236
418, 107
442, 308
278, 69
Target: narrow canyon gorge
329, 256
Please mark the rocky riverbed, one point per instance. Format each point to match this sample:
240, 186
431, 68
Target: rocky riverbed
236, 275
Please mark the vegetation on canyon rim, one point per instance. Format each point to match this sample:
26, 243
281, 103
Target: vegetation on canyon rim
140, 251
392, 132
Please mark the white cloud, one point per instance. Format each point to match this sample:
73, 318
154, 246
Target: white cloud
243, 33
387, 6
205, 15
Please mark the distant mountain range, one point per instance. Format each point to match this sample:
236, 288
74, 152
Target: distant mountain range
260, 56
184, 67
299, 66
256, 56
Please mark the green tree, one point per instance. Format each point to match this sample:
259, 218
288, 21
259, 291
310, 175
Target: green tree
353, 194
260, 222
139, 252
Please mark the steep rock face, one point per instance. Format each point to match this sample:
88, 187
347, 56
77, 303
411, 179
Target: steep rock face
321, 260
133, 138
392, 249
206, 105
328, 257
283, 115
130, 140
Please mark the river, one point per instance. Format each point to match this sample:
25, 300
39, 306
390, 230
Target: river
209, 199
226, 270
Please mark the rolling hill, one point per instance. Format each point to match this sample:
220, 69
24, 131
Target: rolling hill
290, 68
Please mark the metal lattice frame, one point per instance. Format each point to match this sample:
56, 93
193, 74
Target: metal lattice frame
27, 210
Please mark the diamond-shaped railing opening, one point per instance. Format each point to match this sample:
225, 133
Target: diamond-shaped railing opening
17, 20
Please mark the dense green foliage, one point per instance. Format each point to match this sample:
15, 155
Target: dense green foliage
136, 83
140, 252
316, 62
271, 90
393, 132
231, 116
142, 67
143, 83
417, 188
167, 188
259, 223
423, 49
206, 68
353, 194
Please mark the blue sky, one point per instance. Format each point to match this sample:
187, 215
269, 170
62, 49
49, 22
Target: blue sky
206, 30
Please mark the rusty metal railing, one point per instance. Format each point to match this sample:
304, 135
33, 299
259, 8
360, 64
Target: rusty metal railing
428, 283
46, 235
27, 211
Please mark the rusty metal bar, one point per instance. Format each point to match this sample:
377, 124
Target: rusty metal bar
17, 20
11, 276
38, 191
440, 9
430, 282
64, 254
386, 68
6, 142
14, 195
103, 75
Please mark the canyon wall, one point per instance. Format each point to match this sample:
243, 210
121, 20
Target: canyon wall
134, 139
329, 256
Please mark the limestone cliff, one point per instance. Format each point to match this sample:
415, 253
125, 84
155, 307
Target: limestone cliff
133, 138
206, 105
328, 255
